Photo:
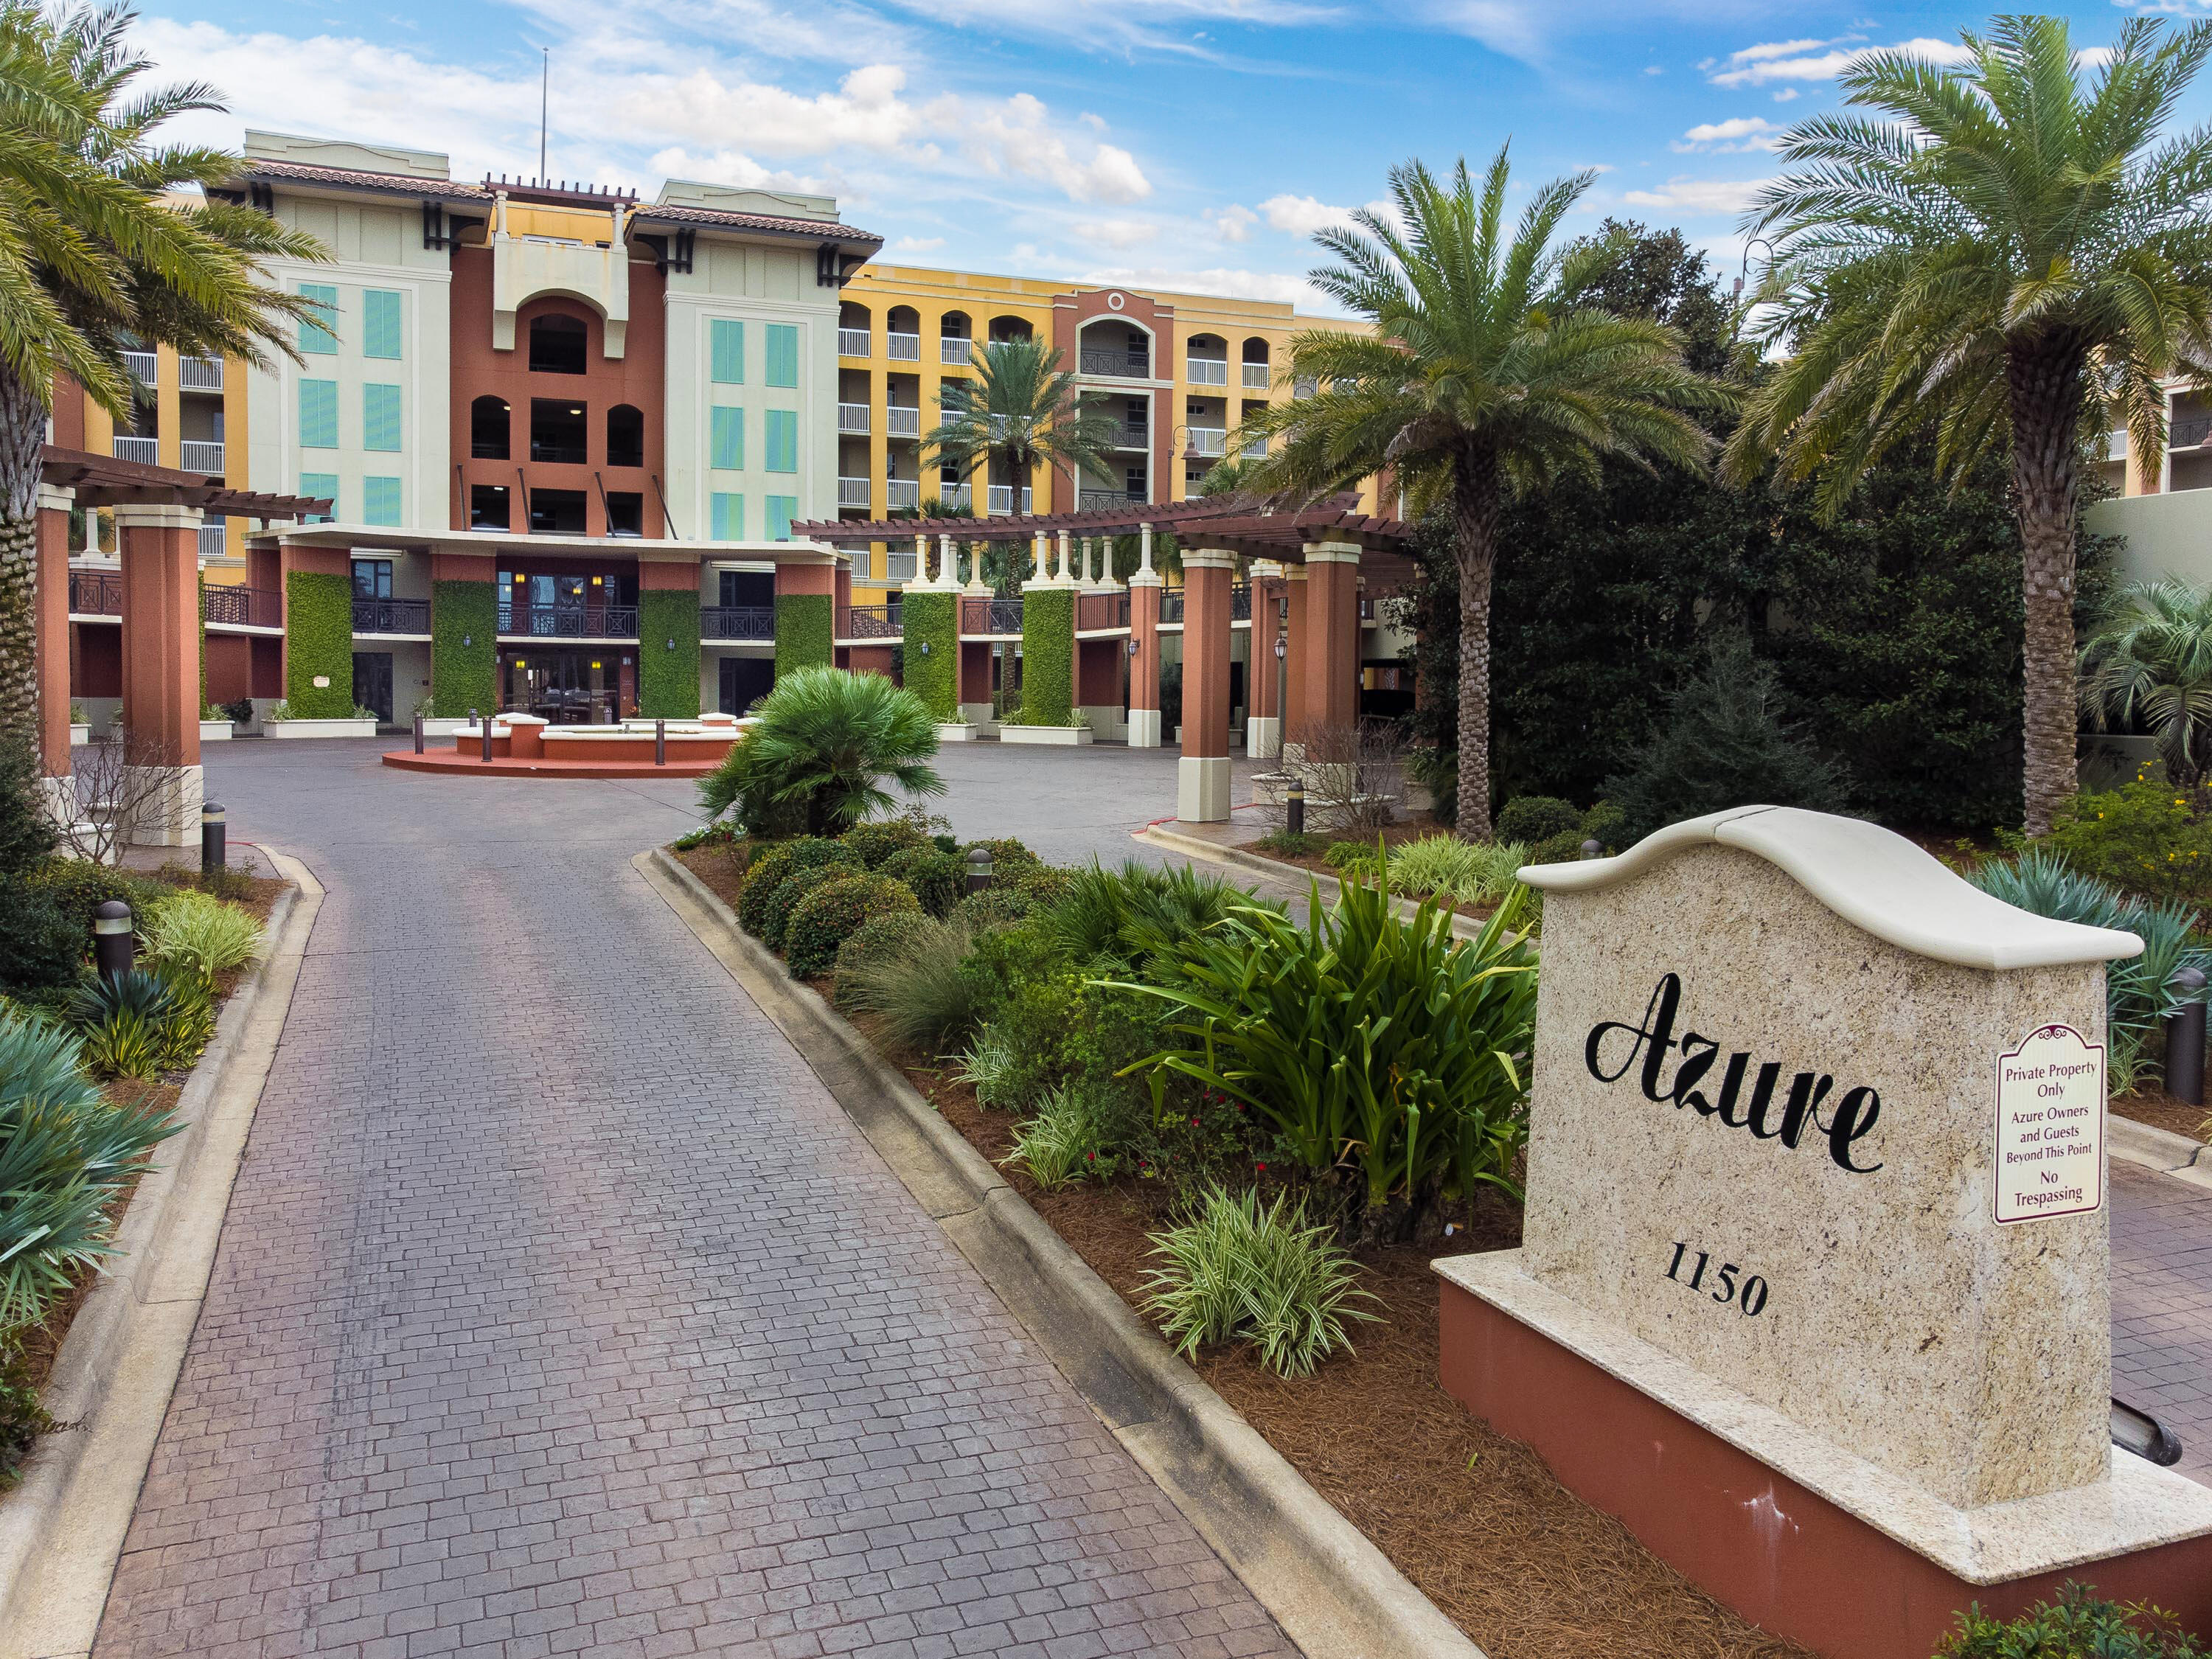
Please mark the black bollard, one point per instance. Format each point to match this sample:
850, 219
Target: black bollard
419, 734
2185, 1039
113, 943
1294, 809
214, 851
660, 743
979, 868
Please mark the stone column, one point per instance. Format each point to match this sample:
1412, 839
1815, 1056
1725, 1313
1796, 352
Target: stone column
1145, 664
1297, 633
50, 646
1332, 667
1202, 774
1263, 723
162, 671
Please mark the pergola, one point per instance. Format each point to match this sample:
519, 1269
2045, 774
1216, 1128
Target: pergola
1313, 557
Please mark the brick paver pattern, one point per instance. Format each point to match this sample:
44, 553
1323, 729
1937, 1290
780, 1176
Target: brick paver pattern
560, 1309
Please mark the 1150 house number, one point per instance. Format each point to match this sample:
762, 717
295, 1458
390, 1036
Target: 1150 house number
1749, 1295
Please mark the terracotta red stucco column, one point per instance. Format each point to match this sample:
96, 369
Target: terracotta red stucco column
1263, 723
161, 663
1332, 663
1202, 774
1296, 646
49, 647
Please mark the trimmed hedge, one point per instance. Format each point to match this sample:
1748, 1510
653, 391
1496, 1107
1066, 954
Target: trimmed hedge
833, 912
1048, 655
804, 632
933, 619
463, 677
318, 639
668, 680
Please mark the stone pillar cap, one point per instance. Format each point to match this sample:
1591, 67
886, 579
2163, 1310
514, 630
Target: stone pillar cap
1872, 877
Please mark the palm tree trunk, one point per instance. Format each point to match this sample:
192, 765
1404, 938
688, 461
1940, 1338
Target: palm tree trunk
2043, 387
1475, 506
23, 431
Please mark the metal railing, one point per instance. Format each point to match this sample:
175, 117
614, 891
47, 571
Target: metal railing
95, 592
244, 607
407, 615
147, 450
900, 422
903, 348
1097, 610
1128, 365
995, 615
1256, 376
872, 622
1208, 371
1104, 501
853, 343
1208, 439
200, 374
569, 622
852, 418
141, 365
955, 348
1001, 500
737, 621
214, 538
200, 455
854, 492
901, 492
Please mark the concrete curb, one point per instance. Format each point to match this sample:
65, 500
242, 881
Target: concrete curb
1292, 875
62, 1530
2149, 1147
1332, 1591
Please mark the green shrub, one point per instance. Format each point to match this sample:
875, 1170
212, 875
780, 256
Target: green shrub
200, 934
24, 1417
827, 917
1066, 1140
913, 998
938, 878
1461, 872
1239, 1269
2145, 836
893, 933
1284, 844
2080, 1624
789, 894
879, 839
1535, 818
824, 745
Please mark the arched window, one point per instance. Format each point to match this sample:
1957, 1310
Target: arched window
557, 345
625, 436
489, 423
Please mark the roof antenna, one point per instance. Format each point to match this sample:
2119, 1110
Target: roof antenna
544, 96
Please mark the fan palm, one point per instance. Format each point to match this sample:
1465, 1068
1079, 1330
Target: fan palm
1483, 377
2150, 663
2006, 252
1021, 410
95, 247
817, 758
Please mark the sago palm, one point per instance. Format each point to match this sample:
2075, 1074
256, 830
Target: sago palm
825, 743
1483, 377
96, 245
2009, 253
2149, 664
1021, 410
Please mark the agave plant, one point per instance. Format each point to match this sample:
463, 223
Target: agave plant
825, 743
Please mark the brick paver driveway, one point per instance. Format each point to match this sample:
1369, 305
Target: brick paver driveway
560, 1310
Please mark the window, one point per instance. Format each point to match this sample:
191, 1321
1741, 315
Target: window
379, 500
372, 578
781, 510
318, 414
488, 420
556, 431
320, 338
725, 439
726, 347
729, 518
557, 345
557, 512
379, 417
782, 355
488, 507
782, 440
380, 323
625, 436
320, 486
625, 512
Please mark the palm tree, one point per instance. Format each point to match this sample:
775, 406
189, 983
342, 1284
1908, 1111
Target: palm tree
1483, 377
2007, 254
817, 761
96, 245
1021, 409
2150, 663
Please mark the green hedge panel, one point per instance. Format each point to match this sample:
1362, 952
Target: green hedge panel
463, 677
803, 635
933, 619
318, 639
668, 675
1048, 655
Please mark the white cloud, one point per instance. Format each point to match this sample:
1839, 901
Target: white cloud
1814, 60
1115, 233
1699, 195
1730, 137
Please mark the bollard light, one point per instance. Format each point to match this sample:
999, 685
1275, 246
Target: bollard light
979, 868
214, 851
660, 743
1593, 850
2185, 1039
1294, 809
113, 942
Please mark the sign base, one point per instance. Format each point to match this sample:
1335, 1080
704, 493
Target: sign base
1797, 1534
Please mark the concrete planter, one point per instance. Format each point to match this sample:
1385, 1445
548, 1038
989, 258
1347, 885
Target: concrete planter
1066, 736
347, 727
80, 735
956, 732
216, 731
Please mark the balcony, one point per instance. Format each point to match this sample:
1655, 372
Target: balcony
853, 343
956, 349
145, 449
1207, 440
199, 455
903, 423
1104, 501
413, 616
141, 365
903, 348
226, 607
854, 492
95, 592
990, 616
872, 622
901, 493
1208, 371
1256, 376
200, 374
737, 621
215, 539
1126, 365
560, 621
853, 417
1001, 500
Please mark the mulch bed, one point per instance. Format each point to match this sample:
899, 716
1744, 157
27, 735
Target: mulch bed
2162, 1111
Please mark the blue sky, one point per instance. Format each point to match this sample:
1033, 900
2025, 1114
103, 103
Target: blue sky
1185, 143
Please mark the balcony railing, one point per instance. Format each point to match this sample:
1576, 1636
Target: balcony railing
901, 492
215, 539
853, 492
1097, 610
872, 622
852, 342
903, 423
413, 616
1104, 501
141, 365
903, 348
1256, 376
200, 374
1128, 365
737, 621
246, 607
1208, 371
1001, 500
147, 450
95, 592
569, 622
955, 348
995, 615
1208, 439
199, 455
853, 417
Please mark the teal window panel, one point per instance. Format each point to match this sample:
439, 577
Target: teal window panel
725, 439
318, 414
319, 339
380, 323
379, 417
781, 510
729, 518
320, 484
782, 355
727, 350
379, 500
782, 440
